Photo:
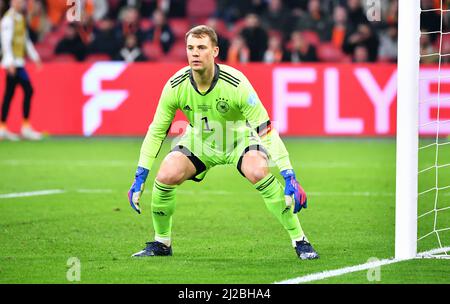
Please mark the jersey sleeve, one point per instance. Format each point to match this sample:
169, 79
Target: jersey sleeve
158, 129
31, 50
7, 28
258, 119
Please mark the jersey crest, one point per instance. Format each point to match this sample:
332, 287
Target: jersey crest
222, 105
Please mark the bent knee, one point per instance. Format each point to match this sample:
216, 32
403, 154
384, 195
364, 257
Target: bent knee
175, 169
255, 166
257, 174
170, 177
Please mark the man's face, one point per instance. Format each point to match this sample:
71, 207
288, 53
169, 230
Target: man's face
361, 54
313, 6
18, 5
354, 4
251, 20
70, 32
131, 16
158, 18
200, 52
340, 15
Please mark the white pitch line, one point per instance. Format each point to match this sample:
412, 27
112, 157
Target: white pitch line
341, 271
434, 252
337, 272
32, 193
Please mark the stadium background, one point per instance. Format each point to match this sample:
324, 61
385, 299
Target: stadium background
328, 72
304, 50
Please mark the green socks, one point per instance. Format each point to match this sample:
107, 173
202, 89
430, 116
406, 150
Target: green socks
273, 194
163, 207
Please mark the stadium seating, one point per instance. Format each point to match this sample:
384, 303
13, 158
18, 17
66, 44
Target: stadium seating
53, 38
177, 53
97, 57
312, 37
145, 24
275, 33
179, 27
45, 51
200, 8
63, 58
222, 29
198, 12
445, 43
237, 27
328, 52
152, 51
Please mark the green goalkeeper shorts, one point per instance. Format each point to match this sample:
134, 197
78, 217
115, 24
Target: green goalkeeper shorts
206, 153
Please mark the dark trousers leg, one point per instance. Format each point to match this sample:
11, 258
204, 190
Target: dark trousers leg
27, 94
11, 82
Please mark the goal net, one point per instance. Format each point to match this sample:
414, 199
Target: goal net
434, 129
423, 129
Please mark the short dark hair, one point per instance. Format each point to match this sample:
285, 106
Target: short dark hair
202, 30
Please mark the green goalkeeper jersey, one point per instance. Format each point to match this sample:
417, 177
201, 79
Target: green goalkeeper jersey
229, 108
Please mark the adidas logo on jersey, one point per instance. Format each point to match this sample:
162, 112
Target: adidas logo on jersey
187, 108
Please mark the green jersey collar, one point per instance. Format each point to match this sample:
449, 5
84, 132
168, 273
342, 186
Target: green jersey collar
213, 83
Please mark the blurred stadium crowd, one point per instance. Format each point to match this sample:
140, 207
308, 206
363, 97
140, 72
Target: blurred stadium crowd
249, 30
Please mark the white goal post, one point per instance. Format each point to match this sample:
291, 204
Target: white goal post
407, 129
409, 161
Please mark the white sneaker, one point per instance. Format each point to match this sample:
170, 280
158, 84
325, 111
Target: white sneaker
29, 133
6, 134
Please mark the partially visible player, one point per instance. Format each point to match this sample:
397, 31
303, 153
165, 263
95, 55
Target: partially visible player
16, 44
228, 125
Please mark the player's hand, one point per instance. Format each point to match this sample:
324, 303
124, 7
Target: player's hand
38, 64
137, 188
294, 191
11, 70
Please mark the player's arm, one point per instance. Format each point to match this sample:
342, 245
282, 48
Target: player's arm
256, 115
31, 50
151, 146
7, 28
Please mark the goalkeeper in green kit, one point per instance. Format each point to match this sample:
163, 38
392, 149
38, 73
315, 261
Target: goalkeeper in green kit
227, 125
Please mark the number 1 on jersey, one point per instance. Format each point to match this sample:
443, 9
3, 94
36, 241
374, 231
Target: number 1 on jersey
207, 128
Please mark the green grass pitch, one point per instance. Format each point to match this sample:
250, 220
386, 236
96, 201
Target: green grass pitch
222, 231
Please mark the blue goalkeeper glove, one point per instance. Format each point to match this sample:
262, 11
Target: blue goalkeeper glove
293, 190
137, 188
